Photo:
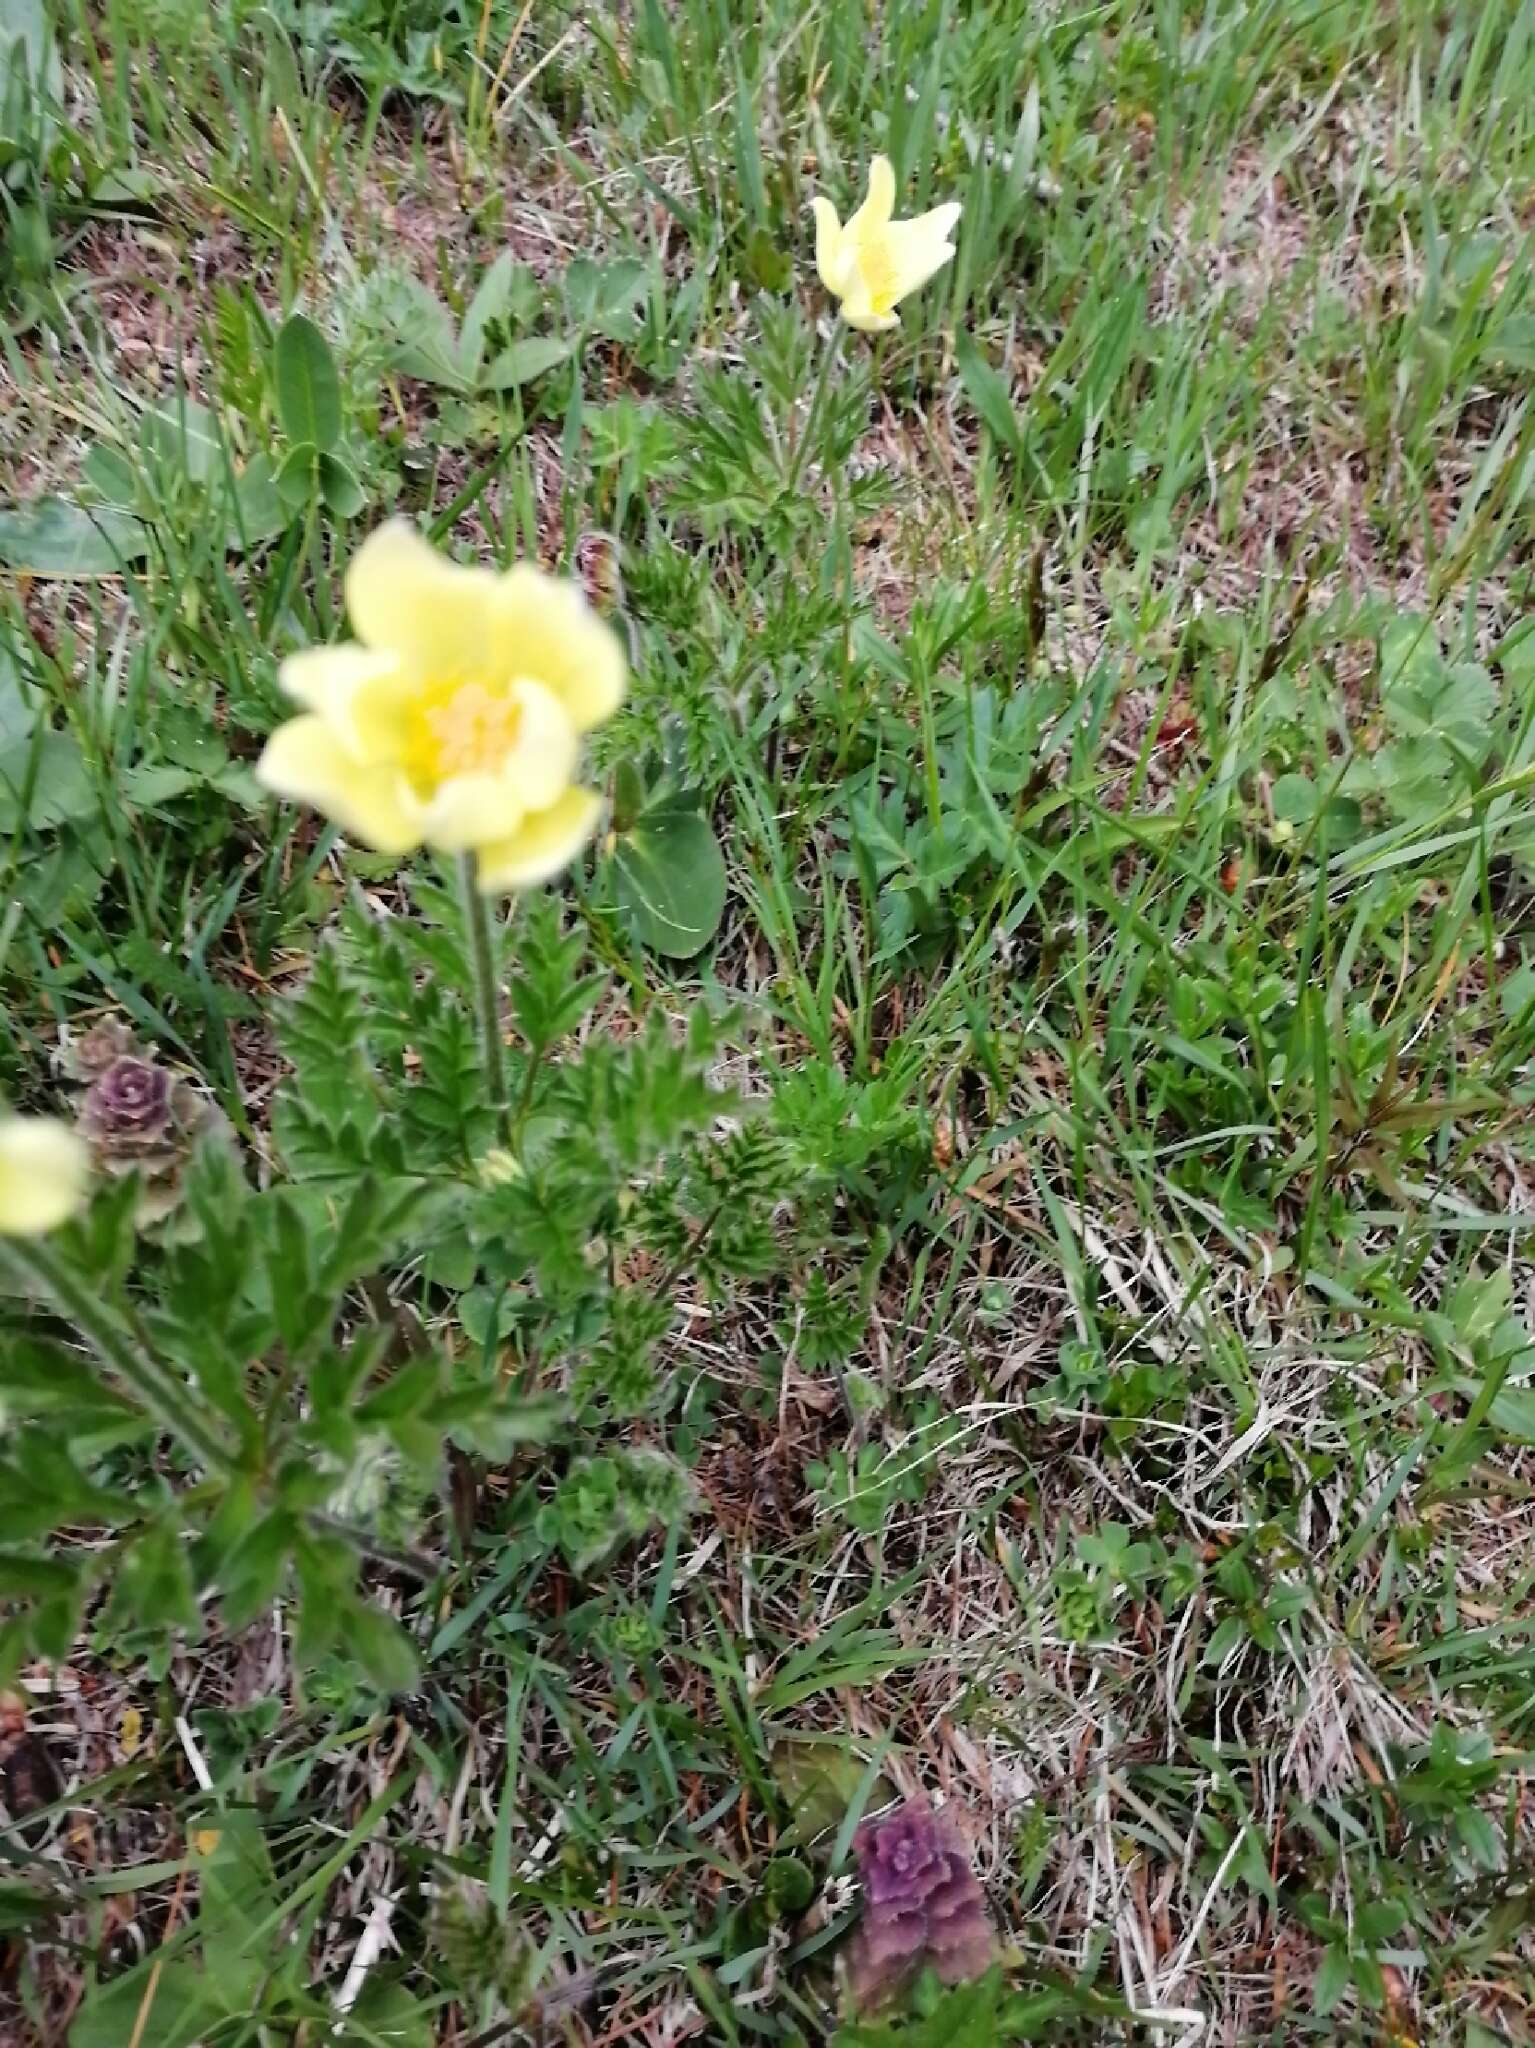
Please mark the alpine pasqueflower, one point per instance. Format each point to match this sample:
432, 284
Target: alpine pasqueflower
454, 720
872, 262
43, 1171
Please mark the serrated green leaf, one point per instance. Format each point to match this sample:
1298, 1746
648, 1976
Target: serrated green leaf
424, 343
155, 782
523, 361
153, 1585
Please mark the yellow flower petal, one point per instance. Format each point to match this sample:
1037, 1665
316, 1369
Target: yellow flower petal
306, 761
921, 247
405, 598
455, 717
875, 261
548, 632
546, 842
472, 810
544, 758
878, 207
833, 257
858, 311
362, 693
44, 1167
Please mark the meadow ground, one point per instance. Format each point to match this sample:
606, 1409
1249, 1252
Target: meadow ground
1104, 1399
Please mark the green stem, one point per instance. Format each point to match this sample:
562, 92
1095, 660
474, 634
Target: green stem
487, 992
817, 401
168, 1399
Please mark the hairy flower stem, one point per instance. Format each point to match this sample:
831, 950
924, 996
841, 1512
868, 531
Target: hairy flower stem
487, 992
817, 403
168, 1399
415, 1564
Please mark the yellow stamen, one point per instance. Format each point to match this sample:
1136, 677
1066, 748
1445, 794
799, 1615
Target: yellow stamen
469, 731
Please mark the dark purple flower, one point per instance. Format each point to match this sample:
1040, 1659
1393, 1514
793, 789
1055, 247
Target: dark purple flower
922, 1905
127, 1110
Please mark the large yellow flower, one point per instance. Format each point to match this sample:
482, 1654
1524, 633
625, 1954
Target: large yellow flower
873, 262
454, 719
44, 1167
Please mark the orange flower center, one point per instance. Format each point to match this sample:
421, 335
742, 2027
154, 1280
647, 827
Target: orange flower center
466, 730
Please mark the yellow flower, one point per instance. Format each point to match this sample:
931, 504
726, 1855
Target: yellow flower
454, 719
874, 262
44, 1167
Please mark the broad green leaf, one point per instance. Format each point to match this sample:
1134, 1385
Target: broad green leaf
257, 512
111, 475
671, 881
31, 77
342, 493
18, 705
819, 1777
152, 1586
25, 22
63, 879
25, 1577
308, 388
179, 433
182, 2002
44, 782
186, 1998
988, 391
386, 2016
298, 479
240, 1899
127, 185
51, 537
1294, 798
1331, 1981
22, 1907
1517, 993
